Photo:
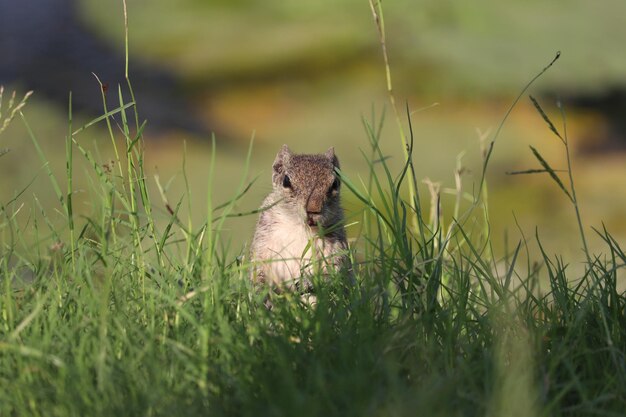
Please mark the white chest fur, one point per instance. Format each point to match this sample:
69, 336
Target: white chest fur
290, 250
292, 247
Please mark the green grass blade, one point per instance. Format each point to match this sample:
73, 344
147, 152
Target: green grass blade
103, 117
70, 176
551, 172
42, 157
545, 118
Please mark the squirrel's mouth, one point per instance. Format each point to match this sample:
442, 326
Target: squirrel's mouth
312, 220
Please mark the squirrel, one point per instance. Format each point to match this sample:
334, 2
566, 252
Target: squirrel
300, 230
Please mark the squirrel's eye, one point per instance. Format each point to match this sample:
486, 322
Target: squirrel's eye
286, 182
335, 185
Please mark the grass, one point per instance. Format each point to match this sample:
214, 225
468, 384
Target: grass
133, 310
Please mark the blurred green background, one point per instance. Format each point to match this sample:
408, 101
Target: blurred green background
305, 73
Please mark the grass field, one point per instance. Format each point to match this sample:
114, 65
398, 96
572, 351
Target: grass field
118, 317
134, 307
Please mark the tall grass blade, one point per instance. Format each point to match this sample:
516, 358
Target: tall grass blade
533, 171
105, 116
545, 118
551, 172
42, 157
70, 189
489, 151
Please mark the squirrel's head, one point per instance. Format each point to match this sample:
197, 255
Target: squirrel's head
309, 184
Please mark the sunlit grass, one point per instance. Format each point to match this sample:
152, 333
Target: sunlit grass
140, 306
141, 317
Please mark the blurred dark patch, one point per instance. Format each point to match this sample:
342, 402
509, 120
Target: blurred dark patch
610, 105
45, 47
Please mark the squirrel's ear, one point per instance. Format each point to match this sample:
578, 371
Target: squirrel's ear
284, 150
281, 159
330, 154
